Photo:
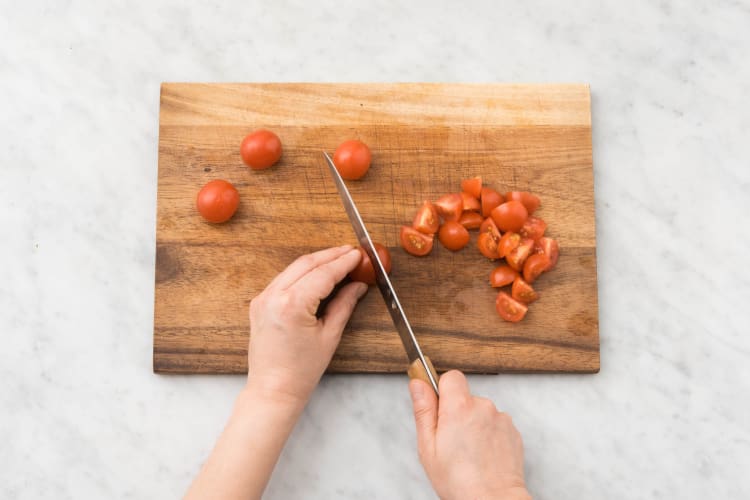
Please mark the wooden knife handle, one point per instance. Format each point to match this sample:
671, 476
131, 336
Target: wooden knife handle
416, 370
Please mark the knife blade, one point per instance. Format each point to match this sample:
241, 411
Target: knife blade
420, 365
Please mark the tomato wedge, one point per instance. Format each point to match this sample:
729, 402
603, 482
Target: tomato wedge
426, 220
453, 235
535, 265
487, 224
365, 271
471, 220
470, 203
522, 291
487, 244
502, 275
510, 216
530, 201
550, 248
509, 308
518, 255
414, 242
490, 199
472, 186
533, 228
450, 206
508, 243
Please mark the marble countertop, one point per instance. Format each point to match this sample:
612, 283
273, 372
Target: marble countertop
83, 416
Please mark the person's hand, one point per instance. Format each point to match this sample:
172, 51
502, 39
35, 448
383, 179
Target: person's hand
469, 450
289, 347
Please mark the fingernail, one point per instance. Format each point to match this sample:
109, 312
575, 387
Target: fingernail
348, 245
417, 392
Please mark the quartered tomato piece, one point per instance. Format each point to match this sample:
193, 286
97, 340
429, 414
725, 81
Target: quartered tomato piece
502, 275
510, 216
470, 203
533, 228
472, 186
508, 242
550, 248
509, 308
487, 244
453, 235
365, 272
522, 291
530, 201
490, 199
470, 220
535, 265
487, 224
518, 255
450, 206
414, 242
426, 220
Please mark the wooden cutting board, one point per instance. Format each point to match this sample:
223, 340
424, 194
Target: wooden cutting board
425, 138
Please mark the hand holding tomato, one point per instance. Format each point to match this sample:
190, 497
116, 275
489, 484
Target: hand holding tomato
290, 347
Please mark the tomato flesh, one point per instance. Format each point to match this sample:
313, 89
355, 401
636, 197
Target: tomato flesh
535, 265
352, 159
426, 220
530, 201
510, 216
365, 271
487, 245
502, 276
550, 248
469, 202
472, 186
217, 201
260, 149
453, 235
516, 257
509, 308
450, 206
522, 291
414, 242
490, 199
470, 220
508, 243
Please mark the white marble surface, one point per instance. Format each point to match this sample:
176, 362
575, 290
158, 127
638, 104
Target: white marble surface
83, 416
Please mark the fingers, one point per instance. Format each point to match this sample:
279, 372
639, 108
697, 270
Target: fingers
425, 405
306, 263
319, 281
340, 308
454, 390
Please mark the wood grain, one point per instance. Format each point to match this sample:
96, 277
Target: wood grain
425, 138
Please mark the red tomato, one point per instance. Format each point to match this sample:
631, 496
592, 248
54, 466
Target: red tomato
352, 159
487, 244
550, 248
530, 201
533, 228
453, 235
509, 309
260, 149
518, 255
510, 216
217, 201
470, 220
426, 221
365, 272
414, 242
535, 265
472, 186
522, 291
490, 199
450, 206
470, 203
487, 224
508, 243
502, 275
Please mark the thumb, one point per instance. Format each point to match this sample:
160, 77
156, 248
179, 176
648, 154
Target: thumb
424, 401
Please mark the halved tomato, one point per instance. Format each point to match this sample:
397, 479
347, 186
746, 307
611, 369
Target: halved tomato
470, 203
487, 244
414, 242
530, 201
510, 216
522, 291
508, 243
490, 199
472, 186
470, 220
453, 235
518, 255
450, 206
426, 220
550, 248
535, 265
533, 228
502, 275
509, 308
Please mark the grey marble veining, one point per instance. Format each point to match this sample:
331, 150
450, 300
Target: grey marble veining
81, 414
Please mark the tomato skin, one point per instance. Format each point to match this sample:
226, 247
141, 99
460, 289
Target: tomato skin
487, 244
522, 291
469, 202
533, 228
471, 220
217, 201
450, 206
509, 308
472, 186
365, 271
414, 242
510, 216
426, 220
516, 257
502, 276
530, 201
260, 149
550, 248
352, 159
490, 199
508, 243
535, 265
487, 224
453, 235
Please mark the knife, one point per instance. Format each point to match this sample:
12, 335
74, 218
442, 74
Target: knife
420, 365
